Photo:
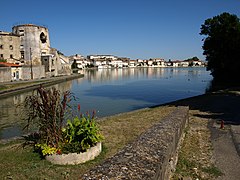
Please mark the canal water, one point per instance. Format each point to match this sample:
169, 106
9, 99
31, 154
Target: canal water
113, 91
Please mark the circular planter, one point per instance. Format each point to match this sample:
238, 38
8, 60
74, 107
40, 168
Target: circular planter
75, 158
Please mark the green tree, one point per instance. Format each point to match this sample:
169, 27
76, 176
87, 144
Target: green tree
195, 58
74, 64
222, 46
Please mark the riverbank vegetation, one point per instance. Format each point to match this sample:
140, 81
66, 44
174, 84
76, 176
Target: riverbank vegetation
22, 163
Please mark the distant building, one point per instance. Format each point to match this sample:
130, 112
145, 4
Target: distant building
159, 62
103, 57
80, 61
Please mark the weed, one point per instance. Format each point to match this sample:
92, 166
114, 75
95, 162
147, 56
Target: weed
212, 170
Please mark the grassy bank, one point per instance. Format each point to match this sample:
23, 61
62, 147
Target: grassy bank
119, 130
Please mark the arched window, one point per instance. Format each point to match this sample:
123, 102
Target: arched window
43, 38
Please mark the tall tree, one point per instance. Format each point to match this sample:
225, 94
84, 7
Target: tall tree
222, 46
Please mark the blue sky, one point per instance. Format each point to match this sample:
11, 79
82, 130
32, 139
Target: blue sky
128, 28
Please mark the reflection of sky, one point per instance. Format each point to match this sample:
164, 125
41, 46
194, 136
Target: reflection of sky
118, 90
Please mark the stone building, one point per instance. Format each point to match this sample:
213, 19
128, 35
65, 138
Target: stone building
9, 46
34, 42
29, 46
56, 63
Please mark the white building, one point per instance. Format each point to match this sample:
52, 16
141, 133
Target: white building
107, 57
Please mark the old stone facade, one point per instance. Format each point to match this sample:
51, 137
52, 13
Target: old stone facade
29, 45
9, 46
34, 42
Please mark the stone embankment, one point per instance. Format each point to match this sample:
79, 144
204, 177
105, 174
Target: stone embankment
151, 156
32, 84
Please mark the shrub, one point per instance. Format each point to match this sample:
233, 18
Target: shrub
49, 110
80, 134
46, 109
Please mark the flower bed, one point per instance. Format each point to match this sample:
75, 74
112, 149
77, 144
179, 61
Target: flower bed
75, 142
75, 158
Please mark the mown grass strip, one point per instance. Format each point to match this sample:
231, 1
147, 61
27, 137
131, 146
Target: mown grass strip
119, 130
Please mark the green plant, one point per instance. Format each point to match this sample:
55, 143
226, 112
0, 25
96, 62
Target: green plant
212, 170
45, 149
3, 60
47, 109
81, 134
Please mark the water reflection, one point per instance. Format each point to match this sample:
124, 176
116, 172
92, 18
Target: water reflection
102, 75
12, 112
112, 91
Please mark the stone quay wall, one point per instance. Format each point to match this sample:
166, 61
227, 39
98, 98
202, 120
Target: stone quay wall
152, 155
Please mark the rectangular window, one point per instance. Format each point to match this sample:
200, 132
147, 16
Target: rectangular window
21, 32
11, 56
1, 55
11, 47
22, 54
1, 46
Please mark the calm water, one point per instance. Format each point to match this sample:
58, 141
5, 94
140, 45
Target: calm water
114, 91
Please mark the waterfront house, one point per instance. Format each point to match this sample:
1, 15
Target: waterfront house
149, 62
159, 62
176, 63
198, 63
116, 63
184, 63
81, 61
10, 72
132, 63
107, 57
140, 62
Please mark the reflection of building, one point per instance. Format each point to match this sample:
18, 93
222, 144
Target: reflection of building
29, 45
12, 110
123, 73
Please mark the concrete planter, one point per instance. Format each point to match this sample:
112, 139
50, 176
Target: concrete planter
75, 158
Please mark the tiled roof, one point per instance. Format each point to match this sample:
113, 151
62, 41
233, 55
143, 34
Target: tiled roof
6, 64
